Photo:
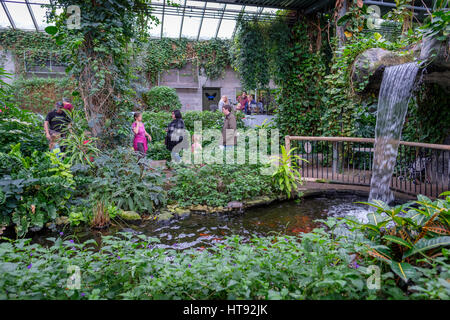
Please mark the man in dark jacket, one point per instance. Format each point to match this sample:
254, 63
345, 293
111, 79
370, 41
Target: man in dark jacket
229, 138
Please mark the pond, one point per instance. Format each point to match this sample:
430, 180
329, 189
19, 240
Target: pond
197, 231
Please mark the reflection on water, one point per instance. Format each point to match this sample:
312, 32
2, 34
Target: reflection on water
203, 230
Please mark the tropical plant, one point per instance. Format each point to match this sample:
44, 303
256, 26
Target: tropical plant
409, 235
216, 184
287, 177
121, 181
80, 146
438, 25
312, 266
162, 99
21, 126
35, 188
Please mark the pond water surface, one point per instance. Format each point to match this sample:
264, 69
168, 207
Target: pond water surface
289, 217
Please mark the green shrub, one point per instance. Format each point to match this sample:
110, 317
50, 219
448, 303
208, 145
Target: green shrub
121, 181
24, 127
156, 122
313, 266
36, 189
217, 184
408, 236
162, 99
158, 151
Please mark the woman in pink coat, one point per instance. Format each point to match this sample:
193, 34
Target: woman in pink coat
140, 135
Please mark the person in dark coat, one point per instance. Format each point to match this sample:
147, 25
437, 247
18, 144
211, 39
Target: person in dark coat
175, 132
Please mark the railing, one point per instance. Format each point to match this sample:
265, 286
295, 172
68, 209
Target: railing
420, 168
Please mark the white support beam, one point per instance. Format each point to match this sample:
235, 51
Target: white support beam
11, 21
182, 19
162, 18
220, 21
201, 21
32, 15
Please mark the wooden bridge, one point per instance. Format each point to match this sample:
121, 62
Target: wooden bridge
421, 168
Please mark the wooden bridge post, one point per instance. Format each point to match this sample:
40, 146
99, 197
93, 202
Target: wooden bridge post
287, 143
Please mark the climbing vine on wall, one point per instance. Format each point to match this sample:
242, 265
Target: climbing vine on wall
251, 53
213, 56
41, 94
32, 48
428, 119
301, 86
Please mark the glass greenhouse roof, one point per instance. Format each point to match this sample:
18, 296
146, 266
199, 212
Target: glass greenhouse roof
199, 20
189, 19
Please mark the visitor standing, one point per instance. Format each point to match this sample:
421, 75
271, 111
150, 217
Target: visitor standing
251, 105
175, 132
243, 100
229, 138
55, 124
196, 145
223, 101
140, 135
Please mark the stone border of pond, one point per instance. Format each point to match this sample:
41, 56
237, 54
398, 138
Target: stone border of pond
310, 188
233, 207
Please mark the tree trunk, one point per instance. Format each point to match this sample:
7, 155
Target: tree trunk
340, 29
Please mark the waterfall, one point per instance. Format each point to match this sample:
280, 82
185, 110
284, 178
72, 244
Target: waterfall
393, 102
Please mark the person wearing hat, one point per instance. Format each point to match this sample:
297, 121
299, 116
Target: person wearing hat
55, 124
67, 105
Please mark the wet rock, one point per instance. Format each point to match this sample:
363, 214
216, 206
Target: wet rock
165, 216
371, 64
235, 206
437, 56
258, 201
129, 230
199, 208
129, 215
36, 229
62, 220
182, 212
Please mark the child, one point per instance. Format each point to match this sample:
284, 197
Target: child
196, 146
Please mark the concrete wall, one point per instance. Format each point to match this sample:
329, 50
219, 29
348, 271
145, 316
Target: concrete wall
189, 87
186, 81
7, 63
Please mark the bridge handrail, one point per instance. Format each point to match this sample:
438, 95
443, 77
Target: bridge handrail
364, 140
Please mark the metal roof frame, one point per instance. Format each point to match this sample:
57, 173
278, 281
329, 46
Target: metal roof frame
229, 10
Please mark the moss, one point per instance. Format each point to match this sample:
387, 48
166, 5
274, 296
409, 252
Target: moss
165, 216
129, 215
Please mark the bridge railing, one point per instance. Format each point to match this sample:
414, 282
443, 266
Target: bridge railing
420, 168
